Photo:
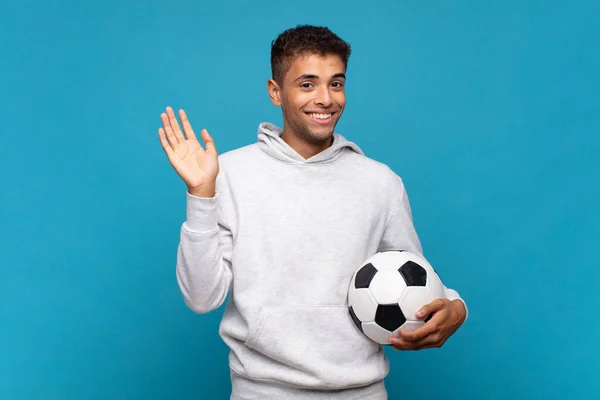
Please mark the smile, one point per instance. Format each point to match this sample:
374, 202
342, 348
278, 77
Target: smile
320, 117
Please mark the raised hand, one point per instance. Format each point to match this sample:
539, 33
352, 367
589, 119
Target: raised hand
196, 166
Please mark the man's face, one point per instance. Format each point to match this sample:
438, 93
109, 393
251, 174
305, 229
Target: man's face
313, 97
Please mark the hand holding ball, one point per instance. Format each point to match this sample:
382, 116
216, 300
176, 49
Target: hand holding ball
388, 289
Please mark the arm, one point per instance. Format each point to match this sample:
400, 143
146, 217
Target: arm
204, 253
203, 266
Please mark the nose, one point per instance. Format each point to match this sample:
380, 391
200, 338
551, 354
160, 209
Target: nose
323, 97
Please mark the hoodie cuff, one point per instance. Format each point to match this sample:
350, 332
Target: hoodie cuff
452, 294
201, 213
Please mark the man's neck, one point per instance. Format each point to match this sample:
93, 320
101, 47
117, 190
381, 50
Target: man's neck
304, 148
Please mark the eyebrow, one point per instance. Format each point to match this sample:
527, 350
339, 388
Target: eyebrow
312, 76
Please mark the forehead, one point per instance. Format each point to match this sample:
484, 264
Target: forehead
316, 64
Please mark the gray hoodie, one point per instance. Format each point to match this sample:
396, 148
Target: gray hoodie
283, 236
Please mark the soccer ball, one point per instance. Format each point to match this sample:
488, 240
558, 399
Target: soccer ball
388, 289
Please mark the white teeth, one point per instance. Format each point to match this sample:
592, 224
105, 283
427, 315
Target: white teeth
320, 116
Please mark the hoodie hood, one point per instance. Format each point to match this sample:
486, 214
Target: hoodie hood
270, 141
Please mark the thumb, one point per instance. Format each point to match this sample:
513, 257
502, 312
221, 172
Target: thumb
430, 308
209, 142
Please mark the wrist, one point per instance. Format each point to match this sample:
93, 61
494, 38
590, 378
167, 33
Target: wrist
206, 191
460, 308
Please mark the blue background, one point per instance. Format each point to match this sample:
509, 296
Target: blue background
488, 110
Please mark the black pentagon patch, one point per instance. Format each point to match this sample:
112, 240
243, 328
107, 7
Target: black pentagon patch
364, 276
355, 319
413, 274
389, 316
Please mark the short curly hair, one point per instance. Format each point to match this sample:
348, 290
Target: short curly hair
304, 40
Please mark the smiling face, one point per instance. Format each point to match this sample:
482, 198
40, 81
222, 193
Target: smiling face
312, 99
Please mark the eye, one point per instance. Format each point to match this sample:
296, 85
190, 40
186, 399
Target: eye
306, 85
337, 84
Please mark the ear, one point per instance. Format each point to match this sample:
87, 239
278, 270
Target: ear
274, 92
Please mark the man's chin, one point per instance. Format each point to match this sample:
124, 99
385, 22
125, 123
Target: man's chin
316, 133
323, 132
320, 136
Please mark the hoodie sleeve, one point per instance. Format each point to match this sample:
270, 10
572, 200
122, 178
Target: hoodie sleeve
204, 253
400, 232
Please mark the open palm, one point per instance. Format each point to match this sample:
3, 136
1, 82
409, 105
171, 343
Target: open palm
197, 167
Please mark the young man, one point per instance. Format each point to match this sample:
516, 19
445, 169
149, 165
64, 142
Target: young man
282, 224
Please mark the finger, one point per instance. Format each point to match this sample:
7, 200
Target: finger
165, 144
168, 131
187, 127
415, 347
428, 328
417, 334
430, 307
412, 347
175, 125
430, 341
401, 344
425, 343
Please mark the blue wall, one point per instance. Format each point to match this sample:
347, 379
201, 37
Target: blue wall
488, 110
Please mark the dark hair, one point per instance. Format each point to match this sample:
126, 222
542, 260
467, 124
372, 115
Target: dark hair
304, 40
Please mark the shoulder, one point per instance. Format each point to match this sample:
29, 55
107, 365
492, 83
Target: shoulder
374, 170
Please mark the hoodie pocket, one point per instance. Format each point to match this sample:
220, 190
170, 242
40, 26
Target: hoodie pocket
312, 346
